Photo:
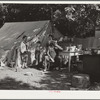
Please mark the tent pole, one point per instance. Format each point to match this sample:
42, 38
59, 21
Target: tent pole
52, 29
69, 63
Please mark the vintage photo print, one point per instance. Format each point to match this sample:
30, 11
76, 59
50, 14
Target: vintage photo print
49, 49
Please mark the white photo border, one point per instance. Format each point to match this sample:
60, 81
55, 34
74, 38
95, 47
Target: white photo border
47, 94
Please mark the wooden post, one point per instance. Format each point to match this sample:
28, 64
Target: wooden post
69, 65
69, 58
52, 26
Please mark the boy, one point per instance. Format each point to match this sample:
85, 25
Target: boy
37, 53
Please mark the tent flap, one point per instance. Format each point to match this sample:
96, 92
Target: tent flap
14, 31
90, 42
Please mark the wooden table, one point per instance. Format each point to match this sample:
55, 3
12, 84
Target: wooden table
69, 54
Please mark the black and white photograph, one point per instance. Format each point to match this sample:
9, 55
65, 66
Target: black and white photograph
50, 47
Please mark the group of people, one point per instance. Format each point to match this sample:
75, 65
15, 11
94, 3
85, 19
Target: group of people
31, 53
46, 57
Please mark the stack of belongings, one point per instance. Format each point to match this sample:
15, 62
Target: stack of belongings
65, 43
3, 58
80, 81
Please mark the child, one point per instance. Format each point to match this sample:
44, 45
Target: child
37, 53
18, 63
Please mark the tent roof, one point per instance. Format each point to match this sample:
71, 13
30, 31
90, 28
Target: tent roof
97, 33
13, 31
90, 42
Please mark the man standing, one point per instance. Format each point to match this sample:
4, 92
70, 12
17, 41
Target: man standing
23, 49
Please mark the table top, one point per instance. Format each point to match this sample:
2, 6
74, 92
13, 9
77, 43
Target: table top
70, 53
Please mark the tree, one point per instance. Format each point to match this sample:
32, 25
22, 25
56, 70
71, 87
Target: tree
3, 11
70, 19
79, 20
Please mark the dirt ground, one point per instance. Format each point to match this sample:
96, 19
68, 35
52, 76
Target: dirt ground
33, 79
26, 79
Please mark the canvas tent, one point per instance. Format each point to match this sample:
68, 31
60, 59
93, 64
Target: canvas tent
90, 42
14, 31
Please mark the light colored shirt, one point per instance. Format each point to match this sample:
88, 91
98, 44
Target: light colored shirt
23, 47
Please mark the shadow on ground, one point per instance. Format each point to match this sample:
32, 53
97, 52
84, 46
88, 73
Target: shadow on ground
53, 80
57, 80
11, 84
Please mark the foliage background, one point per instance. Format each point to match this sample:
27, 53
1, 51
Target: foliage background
73, 20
